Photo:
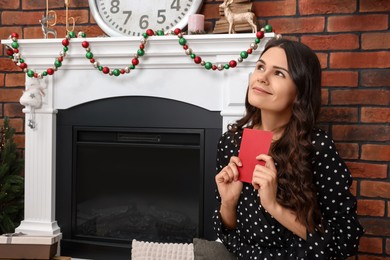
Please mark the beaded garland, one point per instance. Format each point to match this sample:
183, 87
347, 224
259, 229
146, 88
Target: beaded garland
14, 53
134, 62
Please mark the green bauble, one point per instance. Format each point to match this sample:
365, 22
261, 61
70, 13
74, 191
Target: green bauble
182, 41
132, 66
116, 72
244, 54
30, 73
100, 68
72, 34
57, 63
65, 49
44, 73
226, 66
268, 28
140, 52
15, 45
89, 55
160, 32
208, 65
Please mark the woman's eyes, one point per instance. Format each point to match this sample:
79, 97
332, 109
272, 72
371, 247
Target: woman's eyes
276, 72
260, 67
279, 73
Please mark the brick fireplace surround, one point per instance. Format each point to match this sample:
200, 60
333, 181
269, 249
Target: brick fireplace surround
165, 71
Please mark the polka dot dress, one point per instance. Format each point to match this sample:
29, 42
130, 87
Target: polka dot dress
259, 236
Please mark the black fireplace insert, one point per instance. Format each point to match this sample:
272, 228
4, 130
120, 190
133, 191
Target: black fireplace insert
134, 168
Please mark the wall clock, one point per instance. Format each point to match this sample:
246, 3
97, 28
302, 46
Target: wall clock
132, 18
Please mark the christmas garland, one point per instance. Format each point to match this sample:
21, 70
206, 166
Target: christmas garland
14, 54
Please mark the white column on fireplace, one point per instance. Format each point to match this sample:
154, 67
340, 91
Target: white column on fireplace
164, 71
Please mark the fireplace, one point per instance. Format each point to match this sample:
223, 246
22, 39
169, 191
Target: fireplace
147, 174
165, 73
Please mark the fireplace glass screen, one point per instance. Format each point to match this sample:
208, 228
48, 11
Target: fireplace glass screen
143, 184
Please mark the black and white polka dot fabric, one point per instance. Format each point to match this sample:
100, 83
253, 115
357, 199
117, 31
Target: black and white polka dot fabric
259, 236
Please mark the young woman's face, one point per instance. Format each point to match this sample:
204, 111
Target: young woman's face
271, 87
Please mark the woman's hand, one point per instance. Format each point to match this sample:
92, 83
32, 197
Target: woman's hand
229, 187
265, 181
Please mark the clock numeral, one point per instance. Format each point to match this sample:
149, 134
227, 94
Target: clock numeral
143, 22
114, 6
161, 17
175, 5
127, 17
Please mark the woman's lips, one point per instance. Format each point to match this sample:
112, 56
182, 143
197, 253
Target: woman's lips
261, 90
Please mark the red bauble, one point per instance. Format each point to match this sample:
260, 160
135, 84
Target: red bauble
185, 47
123, 71
10, 52
177, 31
214, 67
85, 44
232, 63
106, 70
142, 46
92, 60
35, 75
23, 65
16, 50
14, 35
60, 59
150, 32
135, 61
249, 51
197, 59
65, 42
50, 71
260, 34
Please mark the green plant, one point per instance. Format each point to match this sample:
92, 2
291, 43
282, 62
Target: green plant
11, 181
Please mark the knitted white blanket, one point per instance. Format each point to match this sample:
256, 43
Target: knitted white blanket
161, 251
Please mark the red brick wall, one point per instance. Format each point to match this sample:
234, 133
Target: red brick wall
352, 40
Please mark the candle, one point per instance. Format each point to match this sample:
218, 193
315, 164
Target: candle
195, 23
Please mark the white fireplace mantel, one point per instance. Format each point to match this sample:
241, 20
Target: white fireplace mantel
164, 71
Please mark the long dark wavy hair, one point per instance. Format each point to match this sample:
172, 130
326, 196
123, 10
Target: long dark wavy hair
293, 151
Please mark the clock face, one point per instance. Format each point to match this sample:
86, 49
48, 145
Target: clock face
132, 18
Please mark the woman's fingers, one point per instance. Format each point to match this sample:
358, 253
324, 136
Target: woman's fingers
269, 162
236, 161
266, 175
262, 176
230, 172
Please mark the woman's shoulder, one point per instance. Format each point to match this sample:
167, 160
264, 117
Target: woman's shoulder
323, 145
231, 138
321, 140
229, 134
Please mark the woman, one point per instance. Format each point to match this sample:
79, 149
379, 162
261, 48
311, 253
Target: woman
298, 205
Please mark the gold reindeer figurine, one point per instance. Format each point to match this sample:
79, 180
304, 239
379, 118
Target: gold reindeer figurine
232, 18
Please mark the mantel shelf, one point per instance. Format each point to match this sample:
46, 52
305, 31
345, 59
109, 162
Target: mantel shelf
159, 50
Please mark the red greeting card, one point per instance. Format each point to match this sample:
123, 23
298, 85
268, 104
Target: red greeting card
253, 143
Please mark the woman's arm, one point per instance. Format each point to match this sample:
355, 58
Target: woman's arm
288, 219
342, 229
224, 217
229, 189
228, 216
265, 181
